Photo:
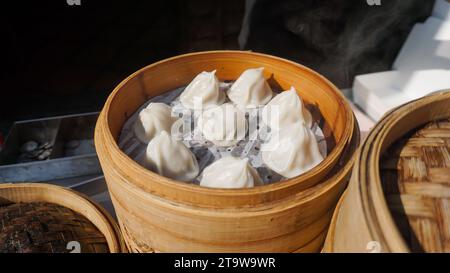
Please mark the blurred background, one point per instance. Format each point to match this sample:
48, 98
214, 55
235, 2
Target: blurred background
60, 59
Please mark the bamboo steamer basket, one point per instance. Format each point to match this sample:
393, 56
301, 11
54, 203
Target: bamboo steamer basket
159, 214
398, 199
38, 192
296, 210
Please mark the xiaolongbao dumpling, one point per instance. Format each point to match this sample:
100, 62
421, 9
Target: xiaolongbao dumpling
250, 89
284, 109
224, 125
203, 92
230, 173
153, 119
170, 158
292, 150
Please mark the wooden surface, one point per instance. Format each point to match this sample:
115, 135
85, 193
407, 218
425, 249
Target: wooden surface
364, 217
158, 214
415, 174
38, 192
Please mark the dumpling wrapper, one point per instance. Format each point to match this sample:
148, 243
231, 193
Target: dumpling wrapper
292, 150
171, 158
203, 92
251, 89
230, 173
285, 109
153, 119
224, 125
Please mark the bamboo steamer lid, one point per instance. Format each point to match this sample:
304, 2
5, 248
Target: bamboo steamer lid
398, 196
415, 175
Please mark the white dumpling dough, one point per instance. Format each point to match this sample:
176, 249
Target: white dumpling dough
292, 150
250, 89
224, 125
153, 119
171, 158
285, 109
203, 92
230, 173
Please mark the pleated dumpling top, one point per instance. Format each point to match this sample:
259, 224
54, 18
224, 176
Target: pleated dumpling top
251, 89
153, 119
171, 158
230, 173
292, 150
285, 109
203, 92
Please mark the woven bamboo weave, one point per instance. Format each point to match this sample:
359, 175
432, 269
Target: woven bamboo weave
415, 173
45, 227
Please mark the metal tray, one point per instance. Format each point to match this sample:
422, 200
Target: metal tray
72, 151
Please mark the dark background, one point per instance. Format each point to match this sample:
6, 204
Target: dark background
60, 59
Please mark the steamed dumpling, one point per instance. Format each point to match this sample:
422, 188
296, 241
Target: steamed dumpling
170, 158
230, 173
250, 89
292, 150
203, 92
285, 109
224, 125
153, 119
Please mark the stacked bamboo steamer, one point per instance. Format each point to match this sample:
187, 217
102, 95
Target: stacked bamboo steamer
94, 213
156, 213
398, 199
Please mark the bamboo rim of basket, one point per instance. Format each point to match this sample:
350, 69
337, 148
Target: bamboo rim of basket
117, 155
328, 246
39, 192
414, 114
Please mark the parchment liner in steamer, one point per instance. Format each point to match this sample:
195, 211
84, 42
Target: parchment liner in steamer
205, 151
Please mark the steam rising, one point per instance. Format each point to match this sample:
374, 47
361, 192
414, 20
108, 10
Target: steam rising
340, 39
